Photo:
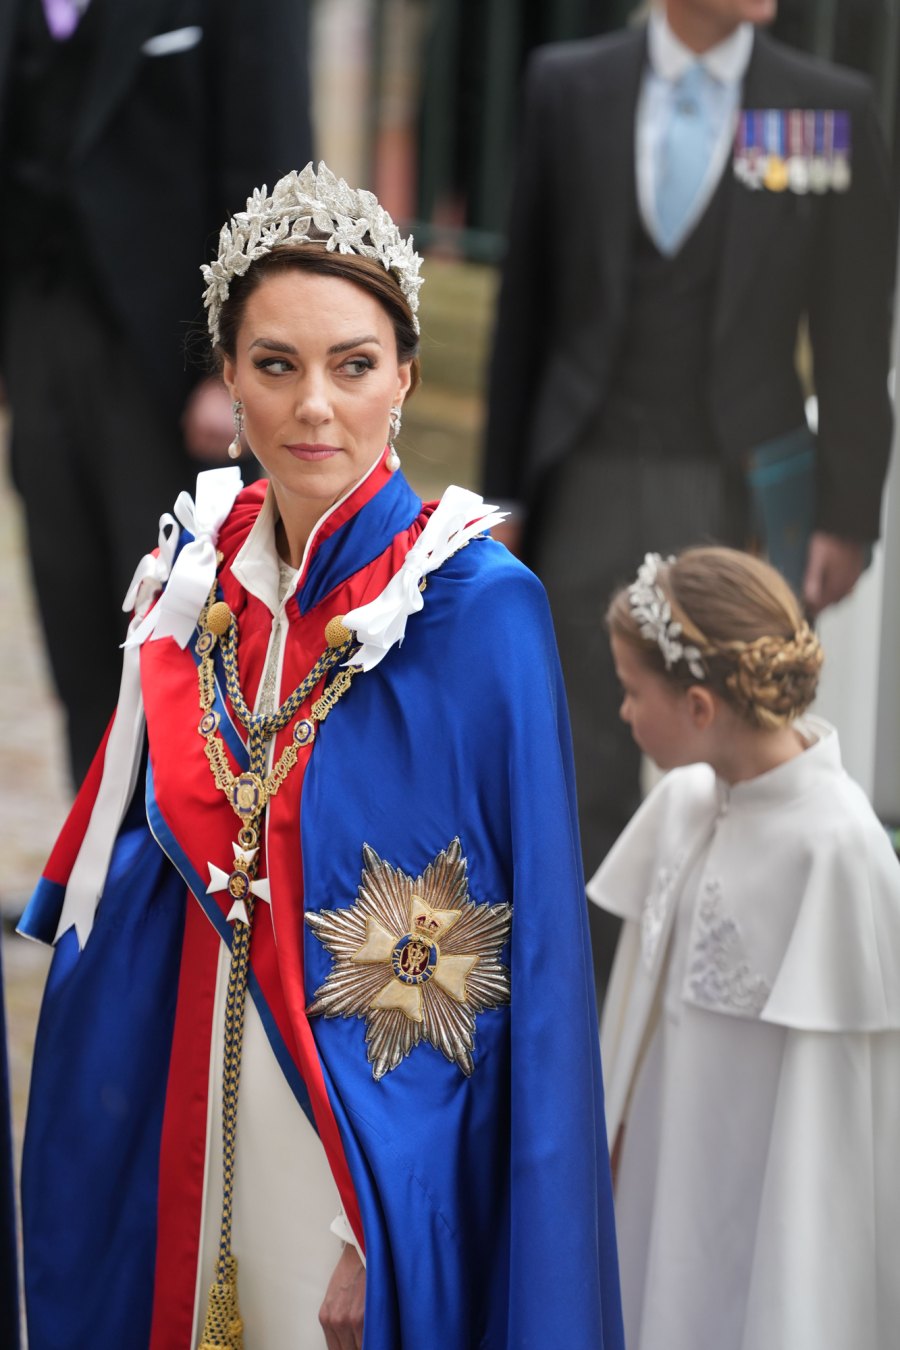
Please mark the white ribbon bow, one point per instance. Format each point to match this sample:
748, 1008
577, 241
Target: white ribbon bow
154, 568
381, 623
191, 578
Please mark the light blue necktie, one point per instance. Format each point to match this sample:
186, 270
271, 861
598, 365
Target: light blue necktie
683, 158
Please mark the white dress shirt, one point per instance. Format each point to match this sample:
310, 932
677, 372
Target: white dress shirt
668, 60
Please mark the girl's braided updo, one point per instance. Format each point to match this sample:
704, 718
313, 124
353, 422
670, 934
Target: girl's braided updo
757, 651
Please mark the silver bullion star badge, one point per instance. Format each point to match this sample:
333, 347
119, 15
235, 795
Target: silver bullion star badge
416, 958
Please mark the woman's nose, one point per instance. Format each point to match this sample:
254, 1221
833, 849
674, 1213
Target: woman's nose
313, 403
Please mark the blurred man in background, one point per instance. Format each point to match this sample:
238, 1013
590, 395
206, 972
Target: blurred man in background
127, 132
689, 195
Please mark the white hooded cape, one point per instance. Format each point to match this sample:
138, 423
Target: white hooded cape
751, 1047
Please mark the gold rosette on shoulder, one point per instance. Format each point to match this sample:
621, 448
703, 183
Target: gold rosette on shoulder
416, 958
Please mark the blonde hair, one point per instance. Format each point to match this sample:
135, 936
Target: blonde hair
758, 652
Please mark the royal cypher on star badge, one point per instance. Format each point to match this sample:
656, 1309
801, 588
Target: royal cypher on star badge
416, 958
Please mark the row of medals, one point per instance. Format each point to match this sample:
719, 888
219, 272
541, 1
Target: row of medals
826, 169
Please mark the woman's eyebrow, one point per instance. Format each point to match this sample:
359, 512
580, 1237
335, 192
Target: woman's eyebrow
274, 345
354, 342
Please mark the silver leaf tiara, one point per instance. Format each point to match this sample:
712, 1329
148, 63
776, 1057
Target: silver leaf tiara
653, 615
310, 207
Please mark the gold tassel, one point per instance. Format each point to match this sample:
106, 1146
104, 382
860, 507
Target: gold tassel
223, 1329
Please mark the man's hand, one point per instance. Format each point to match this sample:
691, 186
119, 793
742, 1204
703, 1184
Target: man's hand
833, 567
207, 422
341, 1313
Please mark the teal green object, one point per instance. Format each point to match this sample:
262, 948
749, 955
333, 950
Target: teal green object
781, 476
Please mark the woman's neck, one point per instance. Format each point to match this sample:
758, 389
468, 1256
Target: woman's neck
291, 540
297, 519
746, 752
299, 516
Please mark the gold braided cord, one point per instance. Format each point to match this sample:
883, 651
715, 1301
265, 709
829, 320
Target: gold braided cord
223, 1328
265, 725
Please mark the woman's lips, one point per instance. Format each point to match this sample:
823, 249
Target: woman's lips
313, 452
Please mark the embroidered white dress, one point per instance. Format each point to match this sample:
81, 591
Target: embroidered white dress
751, 1045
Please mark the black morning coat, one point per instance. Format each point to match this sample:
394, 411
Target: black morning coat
786, 257
175, 129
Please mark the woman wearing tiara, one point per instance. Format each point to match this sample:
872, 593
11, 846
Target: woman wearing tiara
319, 1039
751, 1033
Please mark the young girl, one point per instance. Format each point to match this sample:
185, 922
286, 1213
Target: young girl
751, 1035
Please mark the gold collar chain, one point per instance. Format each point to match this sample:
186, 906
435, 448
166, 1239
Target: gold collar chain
248, 793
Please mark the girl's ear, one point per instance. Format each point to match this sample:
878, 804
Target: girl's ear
702, 707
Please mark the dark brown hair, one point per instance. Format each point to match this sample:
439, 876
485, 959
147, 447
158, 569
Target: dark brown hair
758, 652
366, 273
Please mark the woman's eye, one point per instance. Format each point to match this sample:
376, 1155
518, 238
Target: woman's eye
275, 365
358, 365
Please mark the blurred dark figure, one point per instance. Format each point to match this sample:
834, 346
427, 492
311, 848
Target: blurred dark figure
473, 59
127, 132
665, 248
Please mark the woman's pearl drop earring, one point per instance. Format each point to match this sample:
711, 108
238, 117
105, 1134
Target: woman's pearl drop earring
396, 421
237, 412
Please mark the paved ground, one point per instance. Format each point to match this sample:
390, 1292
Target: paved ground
34, 793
